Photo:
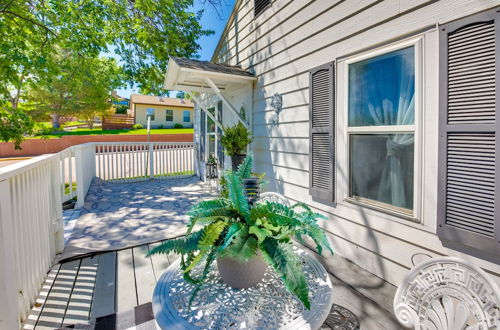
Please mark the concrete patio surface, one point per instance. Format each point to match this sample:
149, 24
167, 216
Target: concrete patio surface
120, 215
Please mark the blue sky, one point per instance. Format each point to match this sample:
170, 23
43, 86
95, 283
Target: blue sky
210, 20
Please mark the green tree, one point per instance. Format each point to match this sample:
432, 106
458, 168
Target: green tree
144, 33
81, 88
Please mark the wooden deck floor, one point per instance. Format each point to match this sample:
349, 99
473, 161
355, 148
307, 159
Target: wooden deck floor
87, 288
112, 282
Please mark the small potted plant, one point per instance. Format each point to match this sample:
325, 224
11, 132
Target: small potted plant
235, 140
245, 239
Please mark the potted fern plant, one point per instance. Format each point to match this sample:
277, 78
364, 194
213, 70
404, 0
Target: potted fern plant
244, 240
235, 140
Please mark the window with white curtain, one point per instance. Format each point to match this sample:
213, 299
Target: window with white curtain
381, 129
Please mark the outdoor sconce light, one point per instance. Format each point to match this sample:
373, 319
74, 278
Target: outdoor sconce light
277, 104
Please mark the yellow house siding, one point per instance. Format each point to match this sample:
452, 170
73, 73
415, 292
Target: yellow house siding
160, 114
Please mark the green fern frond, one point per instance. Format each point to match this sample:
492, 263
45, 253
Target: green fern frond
319, 237
196, 260
211, 234
287, 264
260, 232
243, 246
231, 233
277, 214
237, 195
180, 245
301, 205
245, 169
208, 205
212, 214
203, 276
208, 220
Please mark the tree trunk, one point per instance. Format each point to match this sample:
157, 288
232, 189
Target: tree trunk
15, 99
55, 120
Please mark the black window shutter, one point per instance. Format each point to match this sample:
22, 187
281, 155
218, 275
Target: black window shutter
321, 132
469, 177
260, 6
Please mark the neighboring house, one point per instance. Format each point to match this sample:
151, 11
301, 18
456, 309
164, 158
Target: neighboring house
119, 100
381, 115
166, 111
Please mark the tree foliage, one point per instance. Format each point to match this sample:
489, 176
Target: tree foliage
14, 123
81, 87
143, 34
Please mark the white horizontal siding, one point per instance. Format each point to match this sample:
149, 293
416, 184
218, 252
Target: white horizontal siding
280, 47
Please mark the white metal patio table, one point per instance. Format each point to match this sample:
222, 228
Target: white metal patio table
266, 306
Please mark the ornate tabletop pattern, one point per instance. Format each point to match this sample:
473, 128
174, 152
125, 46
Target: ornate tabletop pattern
266, 306
447, 293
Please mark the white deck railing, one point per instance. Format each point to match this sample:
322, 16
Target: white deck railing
31, 196
143, 161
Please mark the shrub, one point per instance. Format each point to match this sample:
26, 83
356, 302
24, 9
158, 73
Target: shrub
177, 125
137, 126
161, 127
44, 131
236, 139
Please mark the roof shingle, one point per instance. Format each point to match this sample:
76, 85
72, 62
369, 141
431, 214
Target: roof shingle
209, 66
160, 100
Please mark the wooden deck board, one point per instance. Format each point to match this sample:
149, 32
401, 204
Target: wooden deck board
144, 274
126, 294
53, 310
118, 281
78, 309
42, 297
103, 302
160, 261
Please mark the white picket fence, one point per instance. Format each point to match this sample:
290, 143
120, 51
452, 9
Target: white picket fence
143, 161
31, 196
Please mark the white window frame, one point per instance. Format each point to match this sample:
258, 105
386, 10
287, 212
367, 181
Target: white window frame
184, 117
208, 134
166, 111
343, 131
154, 114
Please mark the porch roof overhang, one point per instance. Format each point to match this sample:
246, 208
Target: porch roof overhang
195, 76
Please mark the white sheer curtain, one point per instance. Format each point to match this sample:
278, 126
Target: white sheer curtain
386, 97
392, 180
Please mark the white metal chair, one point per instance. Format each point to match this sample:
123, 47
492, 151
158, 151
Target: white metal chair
273, 197
447, 293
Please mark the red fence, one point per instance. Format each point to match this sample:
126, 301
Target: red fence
36, 147
117, 122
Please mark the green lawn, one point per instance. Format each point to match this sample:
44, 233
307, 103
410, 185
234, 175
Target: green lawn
99, 131
48, 124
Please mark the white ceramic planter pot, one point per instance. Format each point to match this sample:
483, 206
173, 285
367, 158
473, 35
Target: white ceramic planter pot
242, 275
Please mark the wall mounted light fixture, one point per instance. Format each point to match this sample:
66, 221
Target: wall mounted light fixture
277, 104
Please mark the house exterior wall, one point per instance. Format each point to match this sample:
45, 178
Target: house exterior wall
290, 38
160, 113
